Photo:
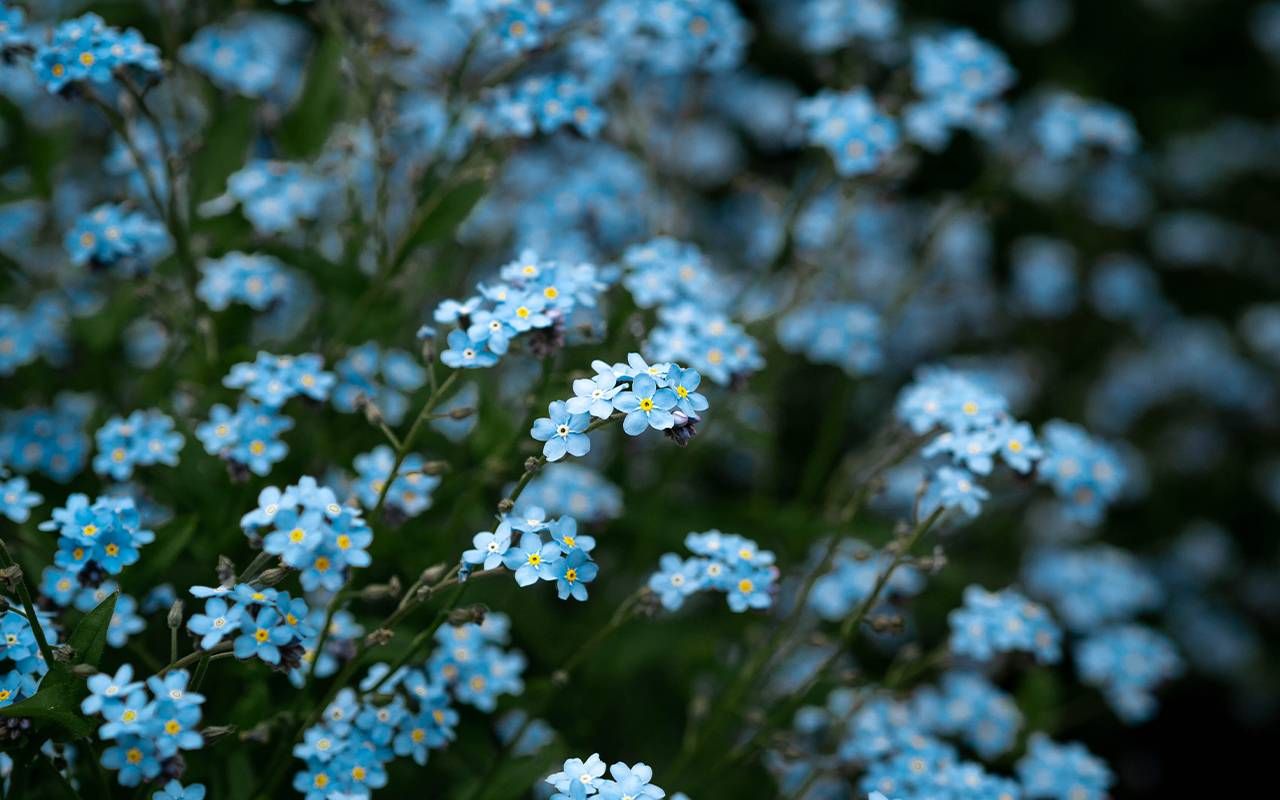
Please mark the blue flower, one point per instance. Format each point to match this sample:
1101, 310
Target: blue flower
218, 621
573, 573
676, 580
532, 560
630, 782
263, 637
578, 771
565, 533
135, 758
467, 353
646, 406
594, 396
16, 500
176, 791
563, 432
489, 547
684, 382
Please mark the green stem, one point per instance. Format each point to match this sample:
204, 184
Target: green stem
848, 633
402, 450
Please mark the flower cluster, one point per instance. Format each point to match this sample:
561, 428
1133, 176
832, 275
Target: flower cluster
855, 569
408, 712
1092, 587
275, 196
97, 537
249, 436
17, 499
21, 662
722, 562
563, 557
49, 440
543, 104
87, 50
851, 128
960, 79
848, 335
974, 429
142, 439
409, 493
1127, 662
579, 778
272, 380
707, 339
662, 397
148, 725
1001, 622
112, 236
572, 489
534, 297
1050, 771
1086, 473
253, 279
383, 377
667, 37
311, 532
1067, 125
252, 54
266, 624
967, 705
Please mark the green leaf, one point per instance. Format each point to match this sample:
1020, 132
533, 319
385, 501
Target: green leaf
90, 636
305, 128
445, 218
226, 146
57, 701
171, 542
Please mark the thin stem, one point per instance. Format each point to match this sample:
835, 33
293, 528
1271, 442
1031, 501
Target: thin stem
330, 611
848, 633
402, 449
193, 657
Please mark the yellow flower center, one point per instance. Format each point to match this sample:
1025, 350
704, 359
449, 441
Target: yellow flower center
112, 550
321, 780
570, 575
569, 541
129, 715
1015, 446
89, 530
417, 734
551, 293
522, 312
358, 773
322, 564
297, 535
117, 455
58, 70
746, 586
715, 356
133, 756
257, 447
682, 392
262, 634
172, 727
646, 404
969, 408
344, 541
535, 559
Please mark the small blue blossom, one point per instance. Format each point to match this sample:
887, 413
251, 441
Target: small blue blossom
563, 432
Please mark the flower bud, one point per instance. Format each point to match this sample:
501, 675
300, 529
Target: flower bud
461, 413
174, 619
